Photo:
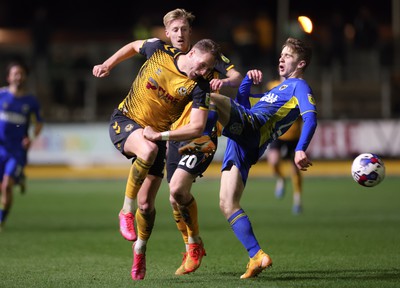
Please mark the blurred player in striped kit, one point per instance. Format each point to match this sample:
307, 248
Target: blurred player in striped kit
284, 148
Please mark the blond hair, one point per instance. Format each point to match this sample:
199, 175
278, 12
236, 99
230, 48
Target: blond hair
178, 13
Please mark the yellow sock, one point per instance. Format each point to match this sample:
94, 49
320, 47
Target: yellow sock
181, 225
297, 182
189, 214
138, 172
145, 224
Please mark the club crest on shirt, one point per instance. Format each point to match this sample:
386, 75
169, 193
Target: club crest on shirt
128, 127
236, 128
283, 87
311, 99
182, 91
25, 108
225, 59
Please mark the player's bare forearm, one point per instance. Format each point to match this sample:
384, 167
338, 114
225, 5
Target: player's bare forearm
186, 132
233, 79
127, 51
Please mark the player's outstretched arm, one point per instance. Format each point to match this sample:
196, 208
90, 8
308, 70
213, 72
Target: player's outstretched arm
127, 51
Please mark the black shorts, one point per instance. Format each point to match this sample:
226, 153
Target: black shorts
121, 127
195, 164
287, 148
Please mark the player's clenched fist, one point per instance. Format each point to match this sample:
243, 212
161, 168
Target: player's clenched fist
101, 70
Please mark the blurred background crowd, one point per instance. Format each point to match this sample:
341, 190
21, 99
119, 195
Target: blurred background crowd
355, 71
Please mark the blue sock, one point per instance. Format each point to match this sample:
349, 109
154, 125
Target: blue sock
3, 215
212, 119
241, 226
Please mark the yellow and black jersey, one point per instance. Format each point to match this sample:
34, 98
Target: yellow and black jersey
160, 92
222, 66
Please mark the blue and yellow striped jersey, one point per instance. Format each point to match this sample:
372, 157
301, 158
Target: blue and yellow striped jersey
275, 112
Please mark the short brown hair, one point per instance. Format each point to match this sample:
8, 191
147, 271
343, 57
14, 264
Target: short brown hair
18, 63
209, 46
302, 49
178, 13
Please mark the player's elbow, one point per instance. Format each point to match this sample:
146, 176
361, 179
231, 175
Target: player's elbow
197, 132
310, 120
314, 127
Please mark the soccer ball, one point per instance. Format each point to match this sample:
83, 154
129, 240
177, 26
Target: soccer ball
368, 169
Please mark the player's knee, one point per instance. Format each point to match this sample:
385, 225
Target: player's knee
172, 202
179, 195
149, 152
225, 208
146, 207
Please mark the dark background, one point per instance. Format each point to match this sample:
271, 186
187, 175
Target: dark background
62, 40
117, 14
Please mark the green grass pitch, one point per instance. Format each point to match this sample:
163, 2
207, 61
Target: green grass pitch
65, 234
